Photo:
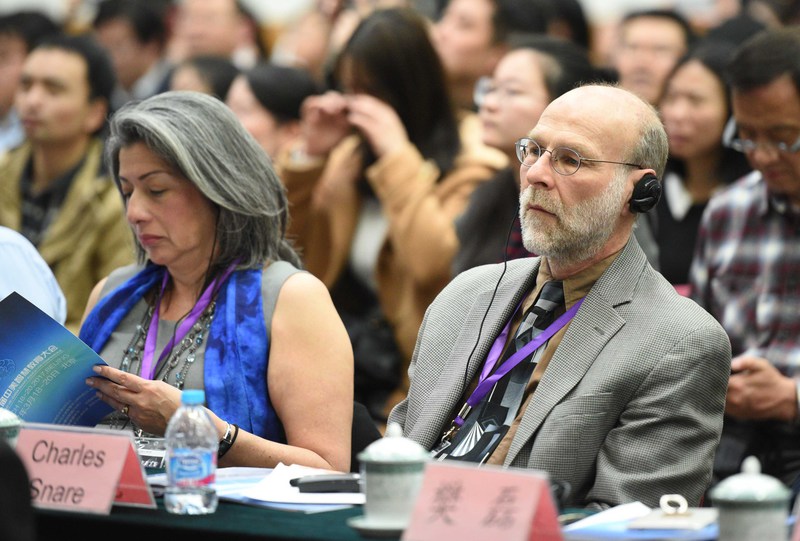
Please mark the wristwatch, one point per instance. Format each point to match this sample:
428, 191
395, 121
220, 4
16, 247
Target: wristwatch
231, 431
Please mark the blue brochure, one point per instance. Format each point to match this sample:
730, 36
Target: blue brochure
43, 368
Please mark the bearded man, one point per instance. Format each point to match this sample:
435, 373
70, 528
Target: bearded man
583, 362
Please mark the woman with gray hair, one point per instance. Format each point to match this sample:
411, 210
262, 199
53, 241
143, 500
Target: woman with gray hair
217, 301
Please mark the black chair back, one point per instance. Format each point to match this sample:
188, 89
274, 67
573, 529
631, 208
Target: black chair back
365, 431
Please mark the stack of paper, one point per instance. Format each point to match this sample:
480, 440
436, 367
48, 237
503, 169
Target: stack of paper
617, 522
270, 487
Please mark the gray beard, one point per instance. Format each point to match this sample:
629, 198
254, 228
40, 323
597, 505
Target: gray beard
578, 233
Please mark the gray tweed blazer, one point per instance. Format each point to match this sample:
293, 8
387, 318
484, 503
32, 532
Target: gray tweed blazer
631, 404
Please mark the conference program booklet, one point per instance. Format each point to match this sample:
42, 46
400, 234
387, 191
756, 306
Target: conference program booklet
43, 368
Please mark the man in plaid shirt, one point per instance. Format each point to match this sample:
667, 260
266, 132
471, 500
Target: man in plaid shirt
746, 270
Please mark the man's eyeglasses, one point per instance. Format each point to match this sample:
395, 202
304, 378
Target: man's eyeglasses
564, 161
486, 86
750, 145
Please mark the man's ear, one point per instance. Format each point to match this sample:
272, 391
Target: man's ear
98, 110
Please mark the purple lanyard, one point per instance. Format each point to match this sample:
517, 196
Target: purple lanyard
487, 381
148, 368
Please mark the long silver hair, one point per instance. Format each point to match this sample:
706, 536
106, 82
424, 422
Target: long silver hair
200, 138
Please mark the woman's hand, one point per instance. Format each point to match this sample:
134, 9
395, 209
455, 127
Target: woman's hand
378, 122
324, 122
150, 404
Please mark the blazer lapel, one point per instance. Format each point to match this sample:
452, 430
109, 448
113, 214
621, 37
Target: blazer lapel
593, 326
449, 389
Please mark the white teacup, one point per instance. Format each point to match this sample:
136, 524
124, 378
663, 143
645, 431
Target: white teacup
391, 471
752, 506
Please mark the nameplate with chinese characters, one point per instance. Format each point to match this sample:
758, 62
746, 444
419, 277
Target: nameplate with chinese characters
82, 469
471, 503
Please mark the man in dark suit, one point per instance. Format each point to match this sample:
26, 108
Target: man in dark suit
624, 401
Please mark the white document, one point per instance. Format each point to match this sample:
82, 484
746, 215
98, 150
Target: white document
619, 513
275, 487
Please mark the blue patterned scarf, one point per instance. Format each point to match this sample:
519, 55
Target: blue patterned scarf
237, 351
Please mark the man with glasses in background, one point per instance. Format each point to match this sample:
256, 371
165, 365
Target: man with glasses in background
583, 362
746, 270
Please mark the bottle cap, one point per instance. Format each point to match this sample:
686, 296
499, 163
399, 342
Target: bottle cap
193, 397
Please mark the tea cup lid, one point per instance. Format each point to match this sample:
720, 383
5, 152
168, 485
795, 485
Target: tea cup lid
750, 486
394, 447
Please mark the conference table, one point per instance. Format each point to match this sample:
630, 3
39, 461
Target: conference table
232, 521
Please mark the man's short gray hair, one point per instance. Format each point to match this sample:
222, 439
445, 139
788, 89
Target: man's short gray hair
652, 149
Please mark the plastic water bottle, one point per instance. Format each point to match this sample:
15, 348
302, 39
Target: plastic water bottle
192, 445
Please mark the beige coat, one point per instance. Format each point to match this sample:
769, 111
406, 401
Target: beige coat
88, 238
414, 261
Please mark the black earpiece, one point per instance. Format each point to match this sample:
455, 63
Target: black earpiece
646, 193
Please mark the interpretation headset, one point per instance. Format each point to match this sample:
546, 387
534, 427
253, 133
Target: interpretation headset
494, 294
646, 194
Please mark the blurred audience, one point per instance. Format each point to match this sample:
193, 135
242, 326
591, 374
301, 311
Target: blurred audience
314, 40
54, 188
746, 268
774, 13
224, 28
650, 42
211, 75
19, 33
134, 33
568, 21
376, 181
267, 100
695, 109
471, 36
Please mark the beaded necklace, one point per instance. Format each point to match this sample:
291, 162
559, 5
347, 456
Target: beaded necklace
132, 359
190, 344
189, 332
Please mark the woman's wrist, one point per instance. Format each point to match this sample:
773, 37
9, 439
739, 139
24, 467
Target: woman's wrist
228, 439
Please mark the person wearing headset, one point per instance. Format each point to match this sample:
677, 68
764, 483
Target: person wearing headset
621, 396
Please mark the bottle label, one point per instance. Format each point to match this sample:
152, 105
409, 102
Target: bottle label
192, 468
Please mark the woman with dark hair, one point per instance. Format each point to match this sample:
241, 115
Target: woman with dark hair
695, 108
210, 75
376, 181
267, 100
217, 301
536, 70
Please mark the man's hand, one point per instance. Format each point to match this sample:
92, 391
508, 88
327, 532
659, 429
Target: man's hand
757, 390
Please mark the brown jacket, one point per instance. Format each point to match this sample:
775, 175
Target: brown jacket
87, 240
414, 262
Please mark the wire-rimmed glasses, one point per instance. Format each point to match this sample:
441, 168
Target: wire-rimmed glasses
745, 145
563, 160
748, 145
